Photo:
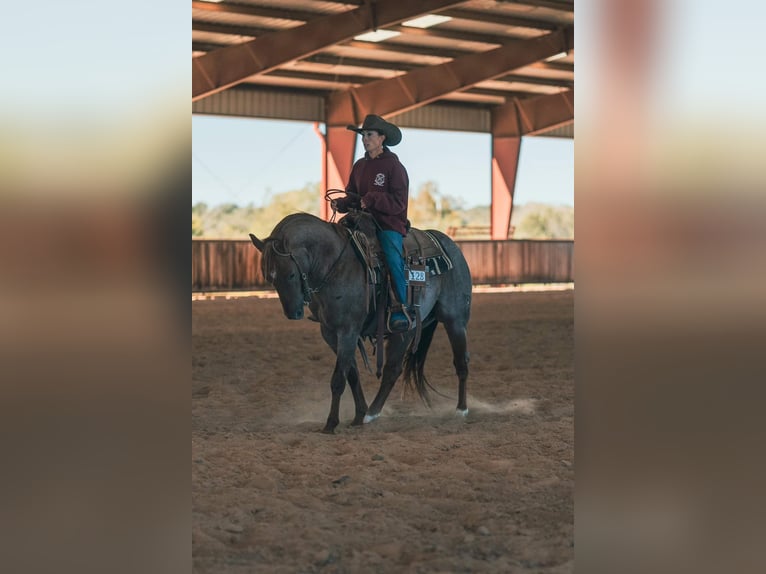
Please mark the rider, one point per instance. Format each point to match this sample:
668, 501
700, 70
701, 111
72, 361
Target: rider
380, 185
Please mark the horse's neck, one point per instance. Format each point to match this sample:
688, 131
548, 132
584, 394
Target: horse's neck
325, 244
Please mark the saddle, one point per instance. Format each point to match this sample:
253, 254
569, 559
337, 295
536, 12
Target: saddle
424, 257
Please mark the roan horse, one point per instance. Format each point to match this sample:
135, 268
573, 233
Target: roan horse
311, 261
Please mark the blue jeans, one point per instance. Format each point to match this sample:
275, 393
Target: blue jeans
391, 242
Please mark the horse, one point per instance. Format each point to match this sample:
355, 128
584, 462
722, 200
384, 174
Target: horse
311, 262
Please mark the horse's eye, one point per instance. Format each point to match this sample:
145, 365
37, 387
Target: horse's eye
292, 276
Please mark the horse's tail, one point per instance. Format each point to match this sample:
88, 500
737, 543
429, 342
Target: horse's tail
414, 362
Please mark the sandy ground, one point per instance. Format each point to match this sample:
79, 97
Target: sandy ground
414, 491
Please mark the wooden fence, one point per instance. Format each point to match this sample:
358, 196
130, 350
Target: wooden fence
232, 264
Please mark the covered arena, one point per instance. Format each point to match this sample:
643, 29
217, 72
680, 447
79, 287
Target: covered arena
419, 489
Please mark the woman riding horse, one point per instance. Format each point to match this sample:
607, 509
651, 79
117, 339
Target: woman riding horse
380, 185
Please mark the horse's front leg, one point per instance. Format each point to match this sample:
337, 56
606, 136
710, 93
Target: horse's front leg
345, 362
337, 386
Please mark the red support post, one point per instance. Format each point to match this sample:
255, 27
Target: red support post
338, 148
505, 162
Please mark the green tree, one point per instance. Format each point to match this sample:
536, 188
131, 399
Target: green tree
198, 225
429, 209
422, 205
230, 221
197, 229
542, 221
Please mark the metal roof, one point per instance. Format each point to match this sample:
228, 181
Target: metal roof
331, 64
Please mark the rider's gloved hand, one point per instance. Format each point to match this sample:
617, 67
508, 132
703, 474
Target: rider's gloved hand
344, 204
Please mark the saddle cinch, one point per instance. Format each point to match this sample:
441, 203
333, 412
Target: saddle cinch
424, 257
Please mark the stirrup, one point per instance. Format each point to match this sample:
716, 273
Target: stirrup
399, 325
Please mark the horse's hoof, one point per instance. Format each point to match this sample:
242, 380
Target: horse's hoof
327, 430
370, 418
462, 412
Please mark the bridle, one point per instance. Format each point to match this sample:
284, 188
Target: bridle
307, 290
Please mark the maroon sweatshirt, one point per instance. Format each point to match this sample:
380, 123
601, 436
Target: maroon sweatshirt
384, 185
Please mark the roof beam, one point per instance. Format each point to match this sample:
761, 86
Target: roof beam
450, 34
359, 79
406, 67
495, 18
228, 66
537, 81
260, 11
556, 66
461, 13
563, 5
230, 29
424, 85
521, 117
254, 31
344, 80
331, 59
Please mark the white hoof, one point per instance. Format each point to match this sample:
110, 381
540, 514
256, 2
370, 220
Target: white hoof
462, 412
370, 418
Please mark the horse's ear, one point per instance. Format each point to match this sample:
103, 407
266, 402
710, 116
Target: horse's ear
257, 242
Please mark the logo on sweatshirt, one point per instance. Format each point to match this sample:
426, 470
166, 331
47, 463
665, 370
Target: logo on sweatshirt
380, 180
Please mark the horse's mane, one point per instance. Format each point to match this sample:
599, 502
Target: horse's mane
362, 221
290, 220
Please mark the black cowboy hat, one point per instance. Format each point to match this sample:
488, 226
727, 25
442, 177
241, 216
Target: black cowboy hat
372, 122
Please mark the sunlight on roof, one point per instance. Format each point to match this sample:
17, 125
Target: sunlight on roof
556, 57
426, 21
377, 36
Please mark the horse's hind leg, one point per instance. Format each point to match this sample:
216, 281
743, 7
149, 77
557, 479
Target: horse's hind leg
360, 405
458, 340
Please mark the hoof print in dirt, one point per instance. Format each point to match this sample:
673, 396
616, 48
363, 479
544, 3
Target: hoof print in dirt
342, 480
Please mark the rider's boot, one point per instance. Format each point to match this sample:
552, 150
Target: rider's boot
399, 319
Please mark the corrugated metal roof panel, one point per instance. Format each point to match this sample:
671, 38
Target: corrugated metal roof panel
446, 117
267, 103
566, 131
277, 104
262, 104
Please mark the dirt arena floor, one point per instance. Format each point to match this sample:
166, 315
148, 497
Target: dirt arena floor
417, 490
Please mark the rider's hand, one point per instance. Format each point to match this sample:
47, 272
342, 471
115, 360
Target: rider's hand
340, 204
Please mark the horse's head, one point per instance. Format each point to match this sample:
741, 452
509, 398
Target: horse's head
283, 269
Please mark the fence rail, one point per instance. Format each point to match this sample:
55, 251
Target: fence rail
233, 264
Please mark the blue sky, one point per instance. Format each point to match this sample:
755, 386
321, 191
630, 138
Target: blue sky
244, 160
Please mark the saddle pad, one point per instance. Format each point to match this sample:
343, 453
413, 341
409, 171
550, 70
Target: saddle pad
423, 248
421, 244
420, 247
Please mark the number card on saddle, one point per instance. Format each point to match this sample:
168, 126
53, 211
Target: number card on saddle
424, 257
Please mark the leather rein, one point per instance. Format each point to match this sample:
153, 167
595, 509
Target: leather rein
308, 291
